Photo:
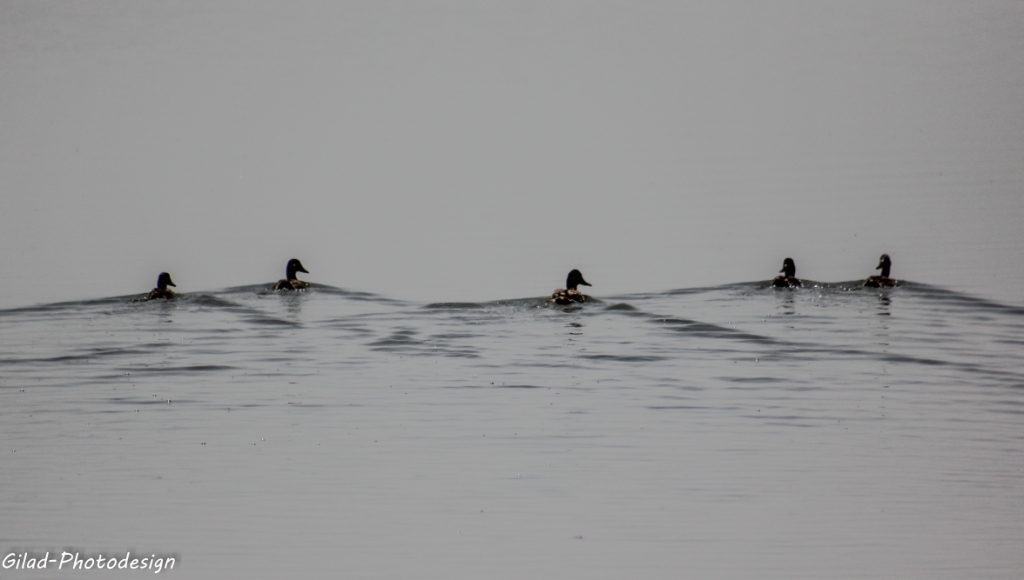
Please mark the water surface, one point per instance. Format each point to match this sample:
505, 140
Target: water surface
723, 432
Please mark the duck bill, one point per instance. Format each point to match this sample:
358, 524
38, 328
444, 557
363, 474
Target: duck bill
301, 269
169, 283
584, 283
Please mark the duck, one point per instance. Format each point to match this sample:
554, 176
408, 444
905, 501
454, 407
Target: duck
788, 278
291, 282
161, 291
570, 294
883, 281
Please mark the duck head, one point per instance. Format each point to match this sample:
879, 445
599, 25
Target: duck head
294, 265
884, 264
164, 280
574, 280
788, 268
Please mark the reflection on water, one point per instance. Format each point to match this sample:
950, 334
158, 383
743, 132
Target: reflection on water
787, 301
292, 302
883, 304
668, 431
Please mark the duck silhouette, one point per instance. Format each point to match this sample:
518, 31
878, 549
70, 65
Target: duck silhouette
882, 281
161, 291
291, 282
570, 294
788, 278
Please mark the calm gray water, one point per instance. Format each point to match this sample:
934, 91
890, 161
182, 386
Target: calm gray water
725, 432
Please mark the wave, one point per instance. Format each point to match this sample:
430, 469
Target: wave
222, 298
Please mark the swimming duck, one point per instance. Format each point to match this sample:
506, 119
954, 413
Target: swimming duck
788, 278
883, 281
570, 294
161, 291
291, 282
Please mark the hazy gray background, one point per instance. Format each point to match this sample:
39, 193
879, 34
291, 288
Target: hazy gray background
479, 150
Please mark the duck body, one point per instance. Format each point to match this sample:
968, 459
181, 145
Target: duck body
570, 295
879, 282
788, 278
294, 284
290, 282
161, 290
883, 280
566, 296
786, 282
160, 293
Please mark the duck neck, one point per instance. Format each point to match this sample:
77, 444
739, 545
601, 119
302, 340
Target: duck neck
885, 269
